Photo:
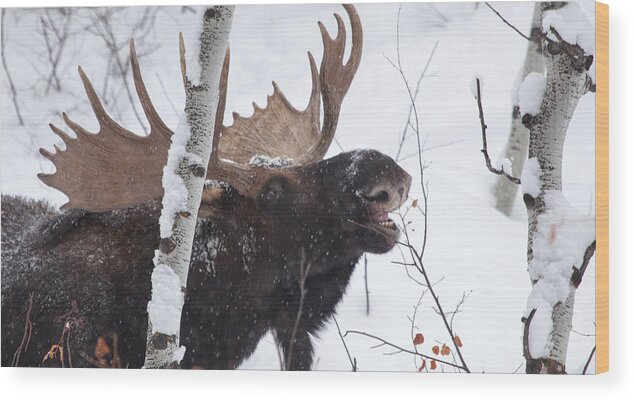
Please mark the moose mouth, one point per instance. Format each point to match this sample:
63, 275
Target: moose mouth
383, 224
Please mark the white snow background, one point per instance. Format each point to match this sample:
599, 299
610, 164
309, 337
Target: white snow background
473, 247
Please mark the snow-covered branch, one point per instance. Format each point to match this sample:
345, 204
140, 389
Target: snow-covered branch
516, 150
183, 180
505, 169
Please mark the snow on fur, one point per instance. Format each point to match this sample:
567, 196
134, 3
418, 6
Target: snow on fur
560, 242
266, 161
531, 93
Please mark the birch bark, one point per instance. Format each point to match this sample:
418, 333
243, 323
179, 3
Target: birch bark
516, 149
551, 303
183, 181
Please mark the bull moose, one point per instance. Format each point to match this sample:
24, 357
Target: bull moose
76, 283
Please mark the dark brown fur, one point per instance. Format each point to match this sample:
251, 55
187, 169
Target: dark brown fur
92, 270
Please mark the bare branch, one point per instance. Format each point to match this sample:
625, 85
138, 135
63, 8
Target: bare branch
353, 362
304, 269
527, 327
402, 350
507, 22
485, 150
413, 104
577, 273
14, 93
585, 367
28, 328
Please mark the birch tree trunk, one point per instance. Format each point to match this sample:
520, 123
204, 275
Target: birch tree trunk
516, 149
560, 243
183, 181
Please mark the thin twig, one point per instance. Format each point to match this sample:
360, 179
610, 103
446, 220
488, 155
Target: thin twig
303, 273
14, 93
585, 368
527, 327
28, 328
367, 292
353, 362
413, 105
485, 150
507, 22
402, 350
574, 51
577, 273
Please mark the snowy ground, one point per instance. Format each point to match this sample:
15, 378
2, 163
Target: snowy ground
473, 247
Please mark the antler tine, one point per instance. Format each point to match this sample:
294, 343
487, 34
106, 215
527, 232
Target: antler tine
62, 135
335, 78
156, 123
95, 104
222, 102
357, 39
241, 177
113, 167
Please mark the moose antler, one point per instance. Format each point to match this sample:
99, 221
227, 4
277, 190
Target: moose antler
115, 168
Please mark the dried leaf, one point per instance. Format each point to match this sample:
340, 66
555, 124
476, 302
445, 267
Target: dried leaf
436, 350
432, 364
458, 341
422, 366
415, 203
419, 339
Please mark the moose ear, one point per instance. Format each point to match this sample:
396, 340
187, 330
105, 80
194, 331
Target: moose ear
275, 194
214, 200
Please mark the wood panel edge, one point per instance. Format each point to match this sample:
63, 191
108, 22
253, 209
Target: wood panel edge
602, 189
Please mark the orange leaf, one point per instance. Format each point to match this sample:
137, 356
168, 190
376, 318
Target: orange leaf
458, 341
445, 350
432, 364
419, 339
422, 366
415, 203
435, 349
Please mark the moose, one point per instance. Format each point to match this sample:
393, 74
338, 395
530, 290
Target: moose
275, 244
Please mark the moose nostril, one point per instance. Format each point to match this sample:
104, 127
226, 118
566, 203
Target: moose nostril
382, 196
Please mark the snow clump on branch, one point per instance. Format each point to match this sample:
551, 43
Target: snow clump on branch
531, 177
574, 26
531, 93
559, 244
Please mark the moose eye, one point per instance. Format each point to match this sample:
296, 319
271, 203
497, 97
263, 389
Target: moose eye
271, 195
276, 193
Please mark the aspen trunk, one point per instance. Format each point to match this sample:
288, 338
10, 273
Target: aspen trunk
547, 334
183, 182
517, 144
